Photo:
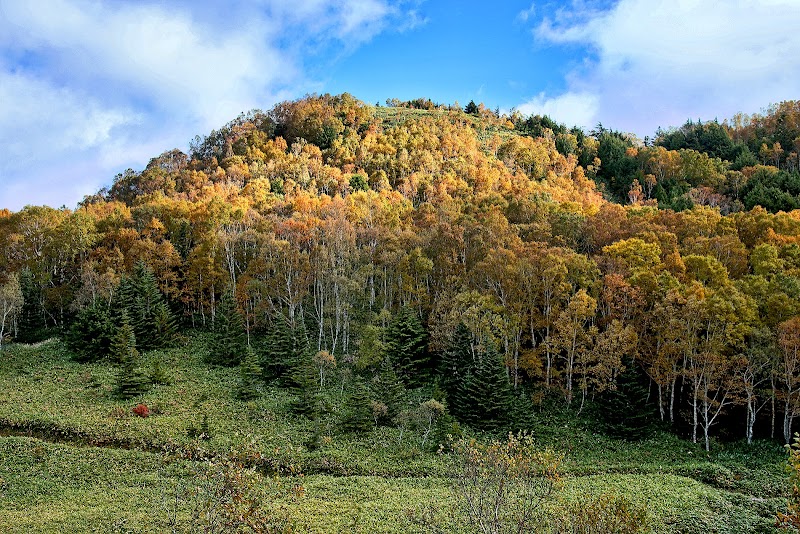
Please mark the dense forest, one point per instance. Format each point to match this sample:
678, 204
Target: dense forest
492, 264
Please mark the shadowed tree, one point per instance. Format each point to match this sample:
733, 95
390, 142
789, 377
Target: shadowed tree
228, 338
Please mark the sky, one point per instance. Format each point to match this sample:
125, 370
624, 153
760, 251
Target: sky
89, 88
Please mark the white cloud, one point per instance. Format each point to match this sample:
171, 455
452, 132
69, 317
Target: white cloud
57, 117
573, 109
526, 14
97, 86
659, 62
164, 56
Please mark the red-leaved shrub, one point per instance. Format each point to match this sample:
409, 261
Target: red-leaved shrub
141, 410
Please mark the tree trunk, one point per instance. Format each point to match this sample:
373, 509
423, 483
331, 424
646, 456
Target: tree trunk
787, 419
694, 418
751, 419
672, 401
772, 422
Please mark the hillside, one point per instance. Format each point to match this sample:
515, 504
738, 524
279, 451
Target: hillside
349, 285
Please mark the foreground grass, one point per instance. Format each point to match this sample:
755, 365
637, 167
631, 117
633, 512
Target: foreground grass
47, 487
353, 484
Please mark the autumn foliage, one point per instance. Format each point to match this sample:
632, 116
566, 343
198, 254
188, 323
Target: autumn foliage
379, 235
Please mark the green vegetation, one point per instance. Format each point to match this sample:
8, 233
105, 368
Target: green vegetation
339, 288
59, 479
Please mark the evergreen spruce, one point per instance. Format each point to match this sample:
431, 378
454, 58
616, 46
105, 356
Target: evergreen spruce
304, 385
165, 324
281, 348
460, 403
130, 380
31, 325
456, 360
228, 337
89, 338
485, 394
359, 415
249, 376
625, 411
139, 296
158, 374
406, 347
388, 389
302, 379
521, 412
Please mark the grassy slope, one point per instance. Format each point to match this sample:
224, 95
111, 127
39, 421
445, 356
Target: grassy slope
353, 484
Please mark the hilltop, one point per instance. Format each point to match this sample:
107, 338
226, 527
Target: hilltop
340, 286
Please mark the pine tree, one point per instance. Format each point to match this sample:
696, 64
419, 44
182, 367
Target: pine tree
130, 380
388, 389
625, 410
301, 377
485, 393
165, 324
140, 297
456, 360
158, 374
460, 402
280, 351
406, 347
249, 376
89, 338
521, 411
31, 326
228, 339
359, 415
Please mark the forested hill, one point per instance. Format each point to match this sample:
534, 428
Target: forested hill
482, 254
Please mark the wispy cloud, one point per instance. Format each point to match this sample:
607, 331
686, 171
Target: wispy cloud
526, 14
656, 63
87, 84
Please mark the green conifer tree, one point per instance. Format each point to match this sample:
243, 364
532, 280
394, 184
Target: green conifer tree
89, 337
456, 360
485, 393
625, 410
303, 382
158, 375
301, 375
31, 325
280, 351
521, 411
165, 324
228, 337
130, 380
406, 347
249, 376
460, 402
139, 296
359, 414
388, 389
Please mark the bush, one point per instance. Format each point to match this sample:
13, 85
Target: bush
227, 496
605, 513
141, 410
499, 486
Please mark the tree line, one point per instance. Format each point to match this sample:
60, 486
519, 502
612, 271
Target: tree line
496, 261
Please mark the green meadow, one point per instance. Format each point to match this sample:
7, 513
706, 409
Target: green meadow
74, 458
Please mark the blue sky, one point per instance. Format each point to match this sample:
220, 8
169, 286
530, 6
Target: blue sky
89, 88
